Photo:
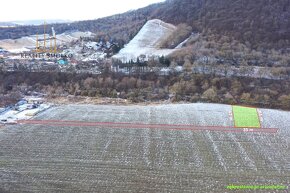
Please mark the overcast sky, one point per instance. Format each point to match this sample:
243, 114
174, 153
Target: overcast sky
12, 10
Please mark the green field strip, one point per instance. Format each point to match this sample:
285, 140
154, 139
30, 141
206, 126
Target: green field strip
246, 117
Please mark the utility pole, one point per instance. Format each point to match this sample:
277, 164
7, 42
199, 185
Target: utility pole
50, 43
54, 38
44, 49
37, 46
204, 15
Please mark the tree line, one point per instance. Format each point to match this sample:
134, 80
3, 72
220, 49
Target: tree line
151, 87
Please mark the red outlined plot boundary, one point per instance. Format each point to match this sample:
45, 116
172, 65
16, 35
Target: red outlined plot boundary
122, 125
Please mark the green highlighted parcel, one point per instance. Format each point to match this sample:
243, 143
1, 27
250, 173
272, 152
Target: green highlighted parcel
246, 117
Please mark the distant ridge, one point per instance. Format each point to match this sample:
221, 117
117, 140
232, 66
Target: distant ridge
260, 23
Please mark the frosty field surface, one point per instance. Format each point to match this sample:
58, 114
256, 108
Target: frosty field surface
111, 157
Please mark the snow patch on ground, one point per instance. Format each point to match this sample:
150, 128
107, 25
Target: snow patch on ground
29, 42
147, 41
19, 50
12, 116
186, 40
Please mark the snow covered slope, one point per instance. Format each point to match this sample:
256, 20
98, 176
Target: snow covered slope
147, 41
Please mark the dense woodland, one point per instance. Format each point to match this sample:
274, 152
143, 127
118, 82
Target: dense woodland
262, 23
150, 87
223, 50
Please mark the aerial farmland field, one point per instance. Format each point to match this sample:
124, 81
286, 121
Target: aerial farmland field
157, 148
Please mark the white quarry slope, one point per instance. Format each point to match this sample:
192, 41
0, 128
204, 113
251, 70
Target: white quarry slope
147, 41
21, 44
